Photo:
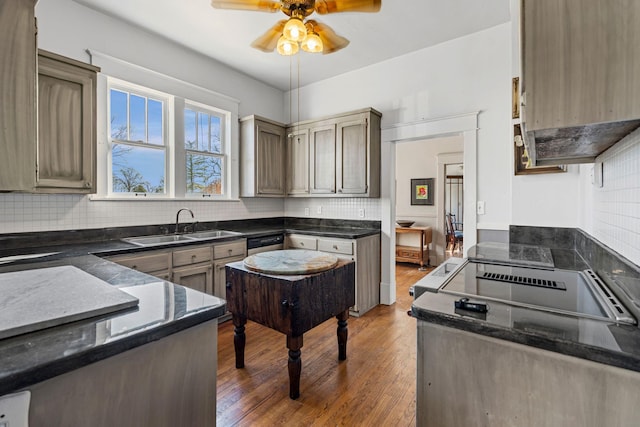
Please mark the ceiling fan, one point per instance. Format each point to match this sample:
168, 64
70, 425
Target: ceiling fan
288, 35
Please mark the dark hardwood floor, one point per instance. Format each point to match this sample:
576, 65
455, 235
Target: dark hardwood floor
375, 386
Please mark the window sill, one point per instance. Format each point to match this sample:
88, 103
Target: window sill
96, 198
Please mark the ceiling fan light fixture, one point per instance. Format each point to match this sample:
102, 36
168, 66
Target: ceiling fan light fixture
312, 43
287, 47
294, 29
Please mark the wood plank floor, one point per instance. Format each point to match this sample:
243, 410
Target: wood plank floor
375, 386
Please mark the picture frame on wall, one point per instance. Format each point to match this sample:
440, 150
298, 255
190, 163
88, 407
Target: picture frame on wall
422, 191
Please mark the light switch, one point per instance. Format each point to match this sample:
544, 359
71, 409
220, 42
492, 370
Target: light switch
480, 209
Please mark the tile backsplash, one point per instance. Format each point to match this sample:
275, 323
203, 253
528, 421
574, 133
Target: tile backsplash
48, 212
615, 214
335, 208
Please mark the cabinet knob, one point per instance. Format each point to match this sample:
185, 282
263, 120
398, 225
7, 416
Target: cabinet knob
193, 258
87, 184
230, 251
228, 285
335, 247
301, 243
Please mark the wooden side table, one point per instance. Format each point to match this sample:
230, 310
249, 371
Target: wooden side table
415, 254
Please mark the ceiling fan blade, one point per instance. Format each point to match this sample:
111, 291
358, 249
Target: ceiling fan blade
256, 5
334, 6
269, 40
331, 42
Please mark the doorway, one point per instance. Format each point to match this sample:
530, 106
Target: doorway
454, 209
463, 124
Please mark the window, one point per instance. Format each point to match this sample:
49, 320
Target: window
138, 143
204, 150
151, 156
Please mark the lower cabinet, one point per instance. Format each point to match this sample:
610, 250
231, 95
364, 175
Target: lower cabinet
196, 267
198, 277
365, 251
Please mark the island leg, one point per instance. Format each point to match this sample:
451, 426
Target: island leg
239, 338
342, 334
294, 344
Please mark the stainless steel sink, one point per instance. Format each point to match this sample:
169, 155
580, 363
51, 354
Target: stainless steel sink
213, 234
168, 239
159, 240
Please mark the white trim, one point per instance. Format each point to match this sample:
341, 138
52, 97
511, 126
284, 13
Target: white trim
462, 124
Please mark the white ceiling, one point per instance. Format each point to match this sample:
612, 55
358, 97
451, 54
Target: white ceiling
402, 26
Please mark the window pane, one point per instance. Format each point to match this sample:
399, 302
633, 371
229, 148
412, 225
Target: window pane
118, 119
154, 121
190, 129
203, 132
137, 128
204, 174
216, 146
137, 169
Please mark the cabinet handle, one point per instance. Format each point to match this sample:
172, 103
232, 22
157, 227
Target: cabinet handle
230, 251
135, 267
193, 258
335, 247
301, 243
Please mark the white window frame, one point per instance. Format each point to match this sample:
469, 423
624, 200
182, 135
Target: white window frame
182, 151
167, 132
175, 152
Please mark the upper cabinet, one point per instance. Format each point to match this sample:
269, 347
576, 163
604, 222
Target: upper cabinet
579, 77
17, 95
297, 161
47, 119
337, 156
66, 125
358, 155
262, 157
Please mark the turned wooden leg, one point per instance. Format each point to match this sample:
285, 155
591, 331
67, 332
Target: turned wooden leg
342, 334
294, 344
239, 339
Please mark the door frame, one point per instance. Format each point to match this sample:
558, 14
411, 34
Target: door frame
463, 124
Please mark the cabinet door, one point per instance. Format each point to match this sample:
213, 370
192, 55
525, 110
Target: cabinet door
322, 173
298, 162
352, 157
66, 124
17, 95
198, 277
270, 153
220, 277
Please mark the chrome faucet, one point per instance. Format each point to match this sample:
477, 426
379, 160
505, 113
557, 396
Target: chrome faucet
178, 216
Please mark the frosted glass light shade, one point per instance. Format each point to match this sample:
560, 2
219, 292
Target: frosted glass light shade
312, 43
287, 47
294, 30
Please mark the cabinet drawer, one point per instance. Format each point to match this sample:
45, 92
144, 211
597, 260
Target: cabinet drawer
302, 242
230, 249
191, 256
145, 263
408, 252
336, 246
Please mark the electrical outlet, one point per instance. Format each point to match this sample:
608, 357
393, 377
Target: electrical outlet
361, 213
319, 210
480, 208
14, 409
306, 211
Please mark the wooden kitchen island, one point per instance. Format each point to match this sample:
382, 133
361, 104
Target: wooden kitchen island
291, 304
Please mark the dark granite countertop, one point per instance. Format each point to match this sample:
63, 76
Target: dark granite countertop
599, 341
164, 308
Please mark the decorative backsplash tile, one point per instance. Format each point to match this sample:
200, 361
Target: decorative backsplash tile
48, 212
616, 206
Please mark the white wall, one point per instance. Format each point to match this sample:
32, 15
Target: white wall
69, 29
611, 214
468, 74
